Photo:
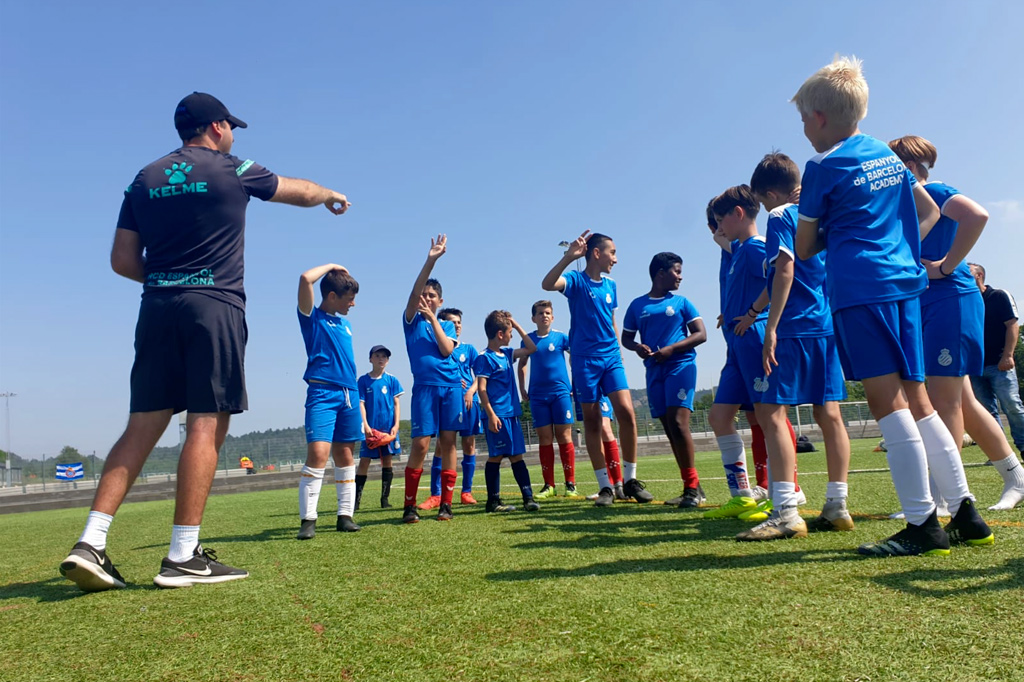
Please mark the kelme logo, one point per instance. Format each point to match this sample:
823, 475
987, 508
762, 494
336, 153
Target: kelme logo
177, 174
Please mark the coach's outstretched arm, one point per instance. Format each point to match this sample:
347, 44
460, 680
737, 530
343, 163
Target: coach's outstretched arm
305, 193
553, 281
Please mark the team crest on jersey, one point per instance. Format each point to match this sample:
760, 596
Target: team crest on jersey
670, 311
761, 384
462, 358
682, 394
604, 406
551, 347
384, 390
945, 359
608, 298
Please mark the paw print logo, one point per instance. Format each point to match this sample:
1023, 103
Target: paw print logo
177, 173
761, 384
945, 359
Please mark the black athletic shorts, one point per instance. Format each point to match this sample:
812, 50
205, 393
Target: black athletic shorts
189, 355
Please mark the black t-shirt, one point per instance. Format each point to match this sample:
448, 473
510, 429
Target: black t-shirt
189, 210
1000, 308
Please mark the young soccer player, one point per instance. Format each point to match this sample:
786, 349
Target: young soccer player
596, 360
550, 399
609, 446
496, 382
800, 361
670, 330
436, 388
333, 420
859, 198
471, 420
953, 318
378, 400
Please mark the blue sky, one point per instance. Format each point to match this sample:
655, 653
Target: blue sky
508, 126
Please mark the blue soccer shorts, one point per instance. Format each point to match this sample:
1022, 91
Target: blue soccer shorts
472, 423
879, 339
435, 409
594, 377
742, 381
671, 386
953, 330
508, 441
809, 371
548, 410
332, 414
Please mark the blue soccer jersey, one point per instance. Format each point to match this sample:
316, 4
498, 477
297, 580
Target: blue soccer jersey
723, 275
465, 355
592, 306
497, 368
744, 281
806, 312
548, 373
378, 396
862, 197
328, 340
937, 244
662, 322
425, 361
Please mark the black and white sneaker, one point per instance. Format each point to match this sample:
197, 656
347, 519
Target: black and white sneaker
495, 505
203, 567
928, 539
530, 505
637, 490
693, 498
968, 528
605, 498
91, 569
307, 529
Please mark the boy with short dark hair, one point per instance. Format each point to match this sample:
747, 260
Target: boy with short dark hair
859, 197
595, 356
378, 401
496, 384
670, 329
799, 344
550, 399
333, 420
436, 391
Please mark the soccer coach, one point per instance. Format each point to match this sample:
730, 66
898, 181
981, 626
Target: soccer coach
181, 233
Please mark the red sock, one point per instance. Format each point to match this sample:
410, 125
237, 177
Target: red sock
567, 453
690, 478
412, 485
547, 464
448, 477
612, 461
760, 456
792, 435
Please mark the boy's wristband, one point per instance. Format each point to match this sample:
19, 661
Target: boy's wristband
752, 309
940, 270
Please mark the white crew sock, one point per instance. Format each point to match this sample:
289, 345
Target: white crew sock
836, 491
785, 500
628, 470
944, 463
96, 527
602, 478
734, 461
1013, 483
310, 483
184, 540
908, 465
345, 482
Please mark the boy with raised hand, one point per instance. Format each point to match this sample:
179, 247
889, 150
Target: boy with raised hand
800, 361
859, 198
333, 419
550, 399
595, 356
670, 330
378, 400
471, 422
496, 384
436, 391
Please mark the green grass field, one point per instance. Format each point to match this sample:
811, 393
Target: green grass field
570, 593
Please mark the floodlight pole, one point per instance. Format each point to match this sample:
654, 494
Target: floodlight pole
7, 409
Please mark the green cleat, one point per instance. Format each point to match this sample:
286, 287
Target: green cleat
758, 514
732, 508
546, 492
968, 528
570, 491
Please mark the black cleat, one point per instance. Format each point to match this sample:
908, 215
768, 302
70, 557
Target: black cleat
605, 498
385, 503
530, 505
637, 490
968, 528
203, 567
495, 505
410, 515
928, 539
444, 512
692, 498
307, 529
347, 525
90, 569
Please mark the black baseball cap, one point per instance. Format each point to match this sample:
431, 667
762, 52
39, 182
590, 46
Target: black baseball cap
200, 109
379, 347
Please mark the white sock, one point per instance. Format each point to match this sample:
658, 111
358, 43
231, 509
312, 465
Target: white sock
734, 461
628, 470
908, 465
309, 492
1013, 483
836, 491
944, 463
96, 527
602, 478
184, 540
784, 499
345, 482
